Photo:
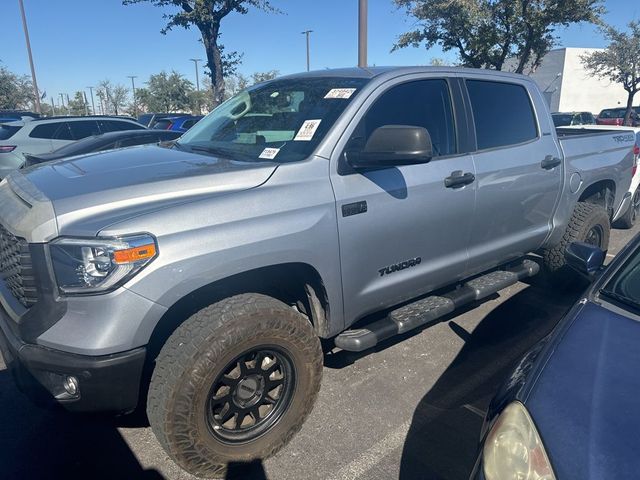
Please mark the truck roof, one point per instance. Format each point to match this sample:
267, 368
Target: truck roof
372, 72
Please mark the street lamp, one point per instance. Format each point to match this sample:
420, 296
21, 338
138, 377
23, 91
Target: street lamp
33, 70
93, 105
308, 33
195, 62
362, 33
133, 86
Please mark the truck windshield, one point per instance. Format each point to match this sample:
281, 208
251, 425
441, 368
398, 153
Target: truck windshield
280, 121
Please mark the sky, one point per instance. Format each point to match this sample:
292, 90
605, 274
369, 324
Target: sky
77, 43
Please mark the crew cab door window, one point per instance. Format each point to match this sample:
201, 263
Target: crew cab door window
502, 114
424, 103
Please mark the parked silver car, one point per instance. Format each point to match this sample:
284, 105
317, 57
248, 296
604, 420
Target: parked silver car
48, 134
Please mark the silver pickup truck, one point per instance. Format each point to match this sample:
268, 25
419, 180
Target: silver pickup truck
201, 278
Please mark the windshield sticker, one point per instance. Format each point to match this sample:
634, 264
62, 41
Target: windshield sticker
307, 130
343, 93
269, 153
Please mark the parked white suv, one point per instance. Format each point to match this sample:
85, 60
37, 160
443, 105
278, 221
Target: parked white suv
48, 134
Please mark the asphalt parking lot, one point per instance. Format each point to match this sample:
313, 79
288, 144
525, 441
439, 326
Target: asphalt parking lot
411, 409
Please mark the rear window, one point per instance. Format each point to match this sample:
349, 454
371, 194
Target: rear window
8, 131
162, 124
502, 114
613, 113
46, 130
562, 120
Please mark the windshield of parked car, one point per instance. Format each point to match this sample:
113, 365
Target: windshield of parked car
280, 121
624, 286
562, 119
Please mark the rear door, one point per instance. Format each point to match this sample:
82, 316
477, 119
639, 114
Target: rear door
402, 231
518, 172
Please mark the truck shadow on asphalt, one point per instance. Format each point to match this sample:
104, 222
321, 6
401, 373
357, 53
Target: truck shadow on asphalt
443, 437
38, 443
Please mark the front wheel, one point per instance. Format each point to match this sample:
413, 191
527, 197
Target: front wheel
234, 382
589, 223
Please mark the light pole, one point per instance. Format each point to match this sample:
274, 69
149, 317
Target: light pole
308, 34
61, 101
195, 62
33, 70
93, 105
362, 33
133, 86
86, 104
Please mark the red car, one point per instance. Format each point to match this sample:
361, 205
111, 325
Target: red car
615, 116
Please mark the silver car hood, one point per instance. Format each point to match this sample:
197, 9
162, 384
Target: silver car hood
82, 195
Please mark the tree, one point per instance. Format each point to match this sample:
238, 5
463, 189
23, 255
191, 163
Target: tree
207, 16
619, 62
258, 77
113, 97
485, 33
166, 92
77, 105
16, 91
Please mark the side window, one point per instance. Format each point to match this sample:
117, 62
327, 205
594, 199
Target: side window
423, 103
83, 129
502, 113
118, 126
63, 132
46, 130
188, 124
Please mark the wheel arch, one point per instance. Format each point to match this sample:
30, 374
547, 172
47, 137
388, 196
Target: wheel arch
601, 192
297, 284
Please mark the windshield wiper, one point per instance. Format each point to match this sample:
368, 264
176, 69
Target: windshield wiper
621, 298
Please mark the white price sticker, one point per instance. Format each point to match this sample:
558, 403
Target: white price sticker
343, 93
307, 130
269, 153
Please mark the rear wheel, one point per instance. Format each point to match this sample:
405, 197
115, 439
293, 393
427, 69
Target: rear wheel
590, 224
234, 383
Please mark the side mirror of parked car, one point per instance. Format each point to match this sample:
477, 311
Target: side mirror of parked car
585, 258
391, 146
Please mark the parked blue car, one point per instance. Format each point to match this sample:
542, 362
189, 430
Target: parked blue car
570, 408
180, 123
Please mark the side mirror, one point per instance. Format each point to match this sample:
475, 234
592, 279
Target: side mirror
393, 145
585, 258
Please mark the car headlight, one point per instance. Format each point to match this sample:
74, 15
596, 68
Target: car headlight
513, 449
99, 265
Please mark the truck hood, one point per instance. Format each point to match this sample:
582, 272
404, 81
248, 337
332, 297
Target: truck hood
585, 401
90, 192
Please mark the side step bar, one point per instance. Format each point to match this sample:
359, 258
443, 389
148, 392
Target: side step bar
429, 309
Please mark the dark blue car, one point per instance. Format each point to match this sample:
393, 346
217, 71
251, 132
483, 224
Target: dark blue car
570, 408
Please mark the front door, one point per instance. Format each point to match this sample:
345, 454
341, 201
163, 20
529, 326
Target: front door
402, 231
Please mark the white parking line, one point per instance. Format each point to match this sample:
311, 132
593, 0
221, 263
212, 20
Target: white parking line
374, 455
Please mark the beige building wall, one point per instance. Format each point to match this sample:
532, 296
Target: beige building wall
568, 87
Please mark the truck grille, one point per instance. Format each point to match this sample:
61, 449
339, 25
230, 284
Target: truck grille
16, 269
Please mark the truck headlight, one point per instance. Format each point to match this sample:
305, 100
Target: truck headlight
83, 265
513, 449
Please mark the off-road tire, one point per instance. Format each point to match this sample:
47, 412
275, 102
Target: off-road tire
585, 217
195, 355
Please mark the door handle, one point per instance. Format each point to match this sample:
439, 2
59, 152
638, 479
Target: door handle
459, 179
550, 162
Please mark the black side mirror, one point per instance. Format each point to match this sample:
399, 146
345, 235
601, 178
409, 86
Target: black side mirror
585, 258
393, 145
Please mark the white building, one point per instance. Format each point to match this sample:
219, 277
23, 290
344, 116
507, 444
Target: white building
568, 87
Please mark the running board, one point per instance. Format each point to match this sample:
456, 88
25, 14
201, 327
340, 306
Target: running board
429, 309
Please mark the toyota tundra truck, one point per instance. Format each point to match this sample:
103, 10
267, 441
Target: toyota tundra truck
199, 279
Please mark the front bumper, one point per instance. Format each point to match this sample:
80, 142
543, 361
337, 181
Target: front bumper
105, 383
